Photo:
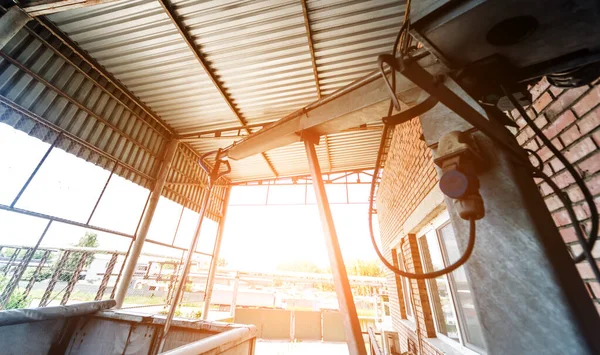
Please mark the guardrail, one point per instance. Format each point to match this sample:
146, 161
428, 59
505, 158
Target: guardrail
241, 340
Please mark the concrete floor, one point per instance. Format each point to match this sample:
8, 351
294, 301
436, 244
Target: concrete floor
272, 347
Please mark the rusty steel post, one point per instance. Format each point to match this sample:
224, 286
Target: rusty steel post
140, 237
57, 271
107, 273
16, 277
37, 271
352, 330
74, 278
210, 282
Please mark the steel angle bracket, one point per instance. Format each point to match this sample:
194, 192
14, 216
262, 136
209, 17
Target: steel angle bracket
435, 87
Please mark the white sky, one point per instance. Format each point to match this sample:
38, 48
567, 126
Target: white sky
256, 237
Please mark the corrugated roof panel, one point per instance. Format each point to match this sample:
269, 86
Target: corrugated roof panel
348, 36
259, 49
138, 43
41, 83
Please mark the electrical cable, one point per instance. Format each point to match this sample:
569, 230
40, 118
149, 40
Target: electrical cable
564, 198
589, 199
419, 276
400, 38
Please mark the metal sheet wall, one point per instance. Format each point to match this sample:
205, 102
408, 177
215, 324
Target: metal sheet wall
42, 77
47, 90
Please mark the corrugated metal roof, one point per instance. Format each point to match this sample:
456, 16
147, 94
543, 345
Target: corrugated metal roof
259, 53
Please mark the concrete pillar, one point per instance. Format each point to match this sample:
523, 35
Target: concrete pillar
210, 282
352, 330
11, 23
527, 292
236, 287
140, 238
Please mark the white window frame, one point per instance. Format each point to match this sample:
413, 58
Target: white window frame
437, 223
406, 290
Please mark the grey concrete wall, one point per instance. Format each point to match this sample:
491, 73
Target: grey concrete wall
333, 329
271, 323
307, 325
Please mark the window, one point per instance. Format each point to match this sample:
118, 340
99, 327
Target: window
451, 297
406, 290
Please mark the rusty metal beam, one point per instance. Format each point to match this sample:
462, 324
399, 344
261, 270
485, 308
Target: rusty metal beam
352, 330
311, 46
47, 7
189, 40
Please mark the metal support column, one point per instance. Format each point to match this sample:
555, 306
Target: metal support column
11, 23
186, 267
210, 282
140, 237
352, 330
520, 262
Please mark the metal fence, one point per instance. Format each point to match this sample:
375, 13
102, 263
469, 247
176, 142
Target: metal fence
52, 194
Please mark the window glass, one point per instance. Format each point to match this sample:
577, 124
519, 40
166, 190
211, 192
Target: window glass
443, 308
405, 288
463, 295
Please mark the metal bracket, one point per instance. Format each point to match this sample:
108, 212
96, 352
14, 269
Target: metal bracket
435, 88
213, 173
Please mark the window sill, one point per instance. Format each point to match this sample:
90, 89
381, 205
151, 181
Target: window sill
449, 349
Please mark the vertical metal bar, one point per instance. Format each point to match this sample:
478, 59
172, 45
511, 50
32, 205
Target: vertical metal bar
14, 281
37, 271
140, 237
34, 172
352, 330
178, 223
11, 23
210, 282
114, 290
102, 193
186, 267
267, 194
55, 276
74, 278
11, 260
106, 277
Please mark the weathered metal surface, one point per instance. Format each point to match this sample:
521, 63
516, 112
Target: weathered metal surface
258, 54
518, 243
46, 7
29, 315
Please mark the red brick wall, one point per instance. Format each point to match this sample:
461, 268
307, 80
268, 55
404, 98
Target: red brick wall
408, 176
571, 118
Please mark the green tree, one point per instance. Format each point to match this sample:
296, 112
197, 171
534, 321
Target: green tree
17, 299
300, 266
89, 240
365, 268
221, 262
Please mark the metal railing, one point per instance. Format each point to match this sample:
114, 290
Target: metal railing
242, 338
